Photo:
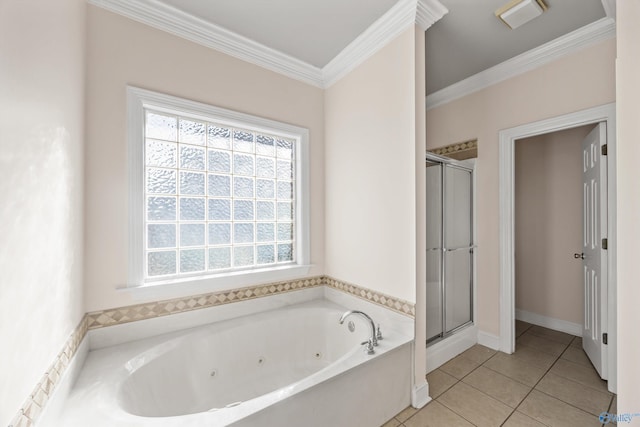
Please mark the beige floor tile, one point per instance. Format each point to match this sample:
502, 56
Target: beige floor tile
577, 355
557, 336
578, 373
406, 413
541, 344
436, 415
475, 406
614, 405
577, 342
479, 353
459, 366
576, 394
392, 423
518, 419
613, 409
439, 382
555, 413
534, 356
521, 327
516, 369
504, 389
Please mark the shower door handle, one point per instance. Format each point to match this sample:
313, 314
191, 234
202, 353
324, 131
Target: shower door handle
469, 248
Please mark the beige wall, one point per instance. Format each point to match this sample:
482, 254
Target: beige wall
123, 52
41, 187
375, 186
370, 172
628, 210
548, 224
582, 80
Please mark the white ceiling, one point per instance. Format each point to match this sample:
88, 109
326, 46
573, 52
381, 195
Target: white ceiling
314, 31
467, 40
470, 39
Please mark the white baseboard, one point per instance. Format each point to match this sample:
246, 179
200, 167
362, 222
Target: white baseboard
549, 322
489, 340
440, 353
420, 395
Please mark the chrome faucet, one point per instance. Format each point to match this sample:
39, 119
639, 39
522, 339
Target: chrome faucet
375, 335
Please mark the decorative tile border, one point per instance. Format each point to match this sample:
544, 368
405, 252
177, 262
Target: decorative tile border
392, 303
132, 313
35, 403
454, 149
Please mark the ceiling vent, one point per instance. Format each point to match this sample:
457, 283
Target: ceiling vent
519, 12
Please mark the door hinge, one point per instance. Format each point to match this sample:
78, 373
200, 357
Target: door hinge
605, 244
605, 338
604, 149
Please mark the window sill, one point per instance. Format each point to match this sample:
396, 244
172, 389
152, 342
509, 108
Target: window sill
196, 285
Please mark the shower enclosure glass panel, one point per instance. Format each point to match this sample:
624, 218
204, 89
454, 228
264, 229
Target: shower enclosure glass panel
434, 253
449, 247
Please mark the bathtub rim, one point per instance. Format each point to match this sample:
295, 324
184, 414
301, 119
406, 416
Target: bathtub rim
404, 337
187, 337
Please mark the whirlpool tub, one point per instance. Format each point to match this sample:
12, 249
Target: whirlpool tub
293, 366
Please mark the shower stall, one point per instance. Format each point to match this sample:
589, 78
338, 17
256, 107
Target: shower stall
450, 247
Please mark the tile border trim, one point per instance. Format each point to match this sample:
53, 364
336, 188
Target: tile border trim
455, 148
150, 310
35, 403
392, 303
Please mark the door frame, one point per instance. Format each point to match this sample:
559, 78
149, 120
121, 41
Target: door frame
507, 138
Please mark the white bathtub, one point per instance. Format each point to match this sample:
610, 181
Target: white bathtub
286, 367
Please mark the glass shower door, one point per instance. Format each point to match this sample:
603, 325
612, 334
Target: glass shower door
458, 248
434, 250
449, 256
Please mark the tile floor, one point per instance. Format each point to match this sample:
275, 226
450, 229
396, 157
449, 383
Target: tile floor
548, 381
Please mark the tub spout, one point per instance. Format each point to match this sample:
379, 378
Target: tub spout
374, 339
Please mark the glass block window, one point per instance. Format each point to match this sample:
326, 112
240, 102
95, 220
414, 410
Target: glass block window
217, 197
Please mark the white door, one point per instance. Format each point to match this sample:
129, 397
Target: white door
594, 180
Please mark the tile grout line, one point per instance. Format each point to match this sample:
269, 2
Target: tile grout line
609, 408
554, 397
488, 395
528, 393
567, 403
534, 387
460, 380
518, 381
567, 346
584, 385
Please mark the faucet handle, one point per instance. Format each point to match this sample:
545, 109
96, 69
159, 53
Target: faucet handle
368, 347
378, 333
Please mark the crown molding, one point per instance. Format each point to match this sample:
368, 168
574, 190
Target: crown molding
428, 12
167, 18
589, 35
609, 8
400, 17
181, 24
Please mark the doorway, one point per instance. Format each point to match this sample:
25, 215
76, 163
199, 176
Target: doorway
450, 247
603, 114
549, 229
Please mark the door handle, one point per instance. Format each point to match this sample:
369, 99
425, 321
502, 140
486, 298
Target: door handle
578, 256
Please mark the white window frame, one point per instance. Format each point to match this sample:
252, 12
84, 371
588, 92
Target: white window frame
140, 99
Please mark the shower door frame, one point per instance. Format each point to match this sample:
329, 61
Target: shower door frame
446, 161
